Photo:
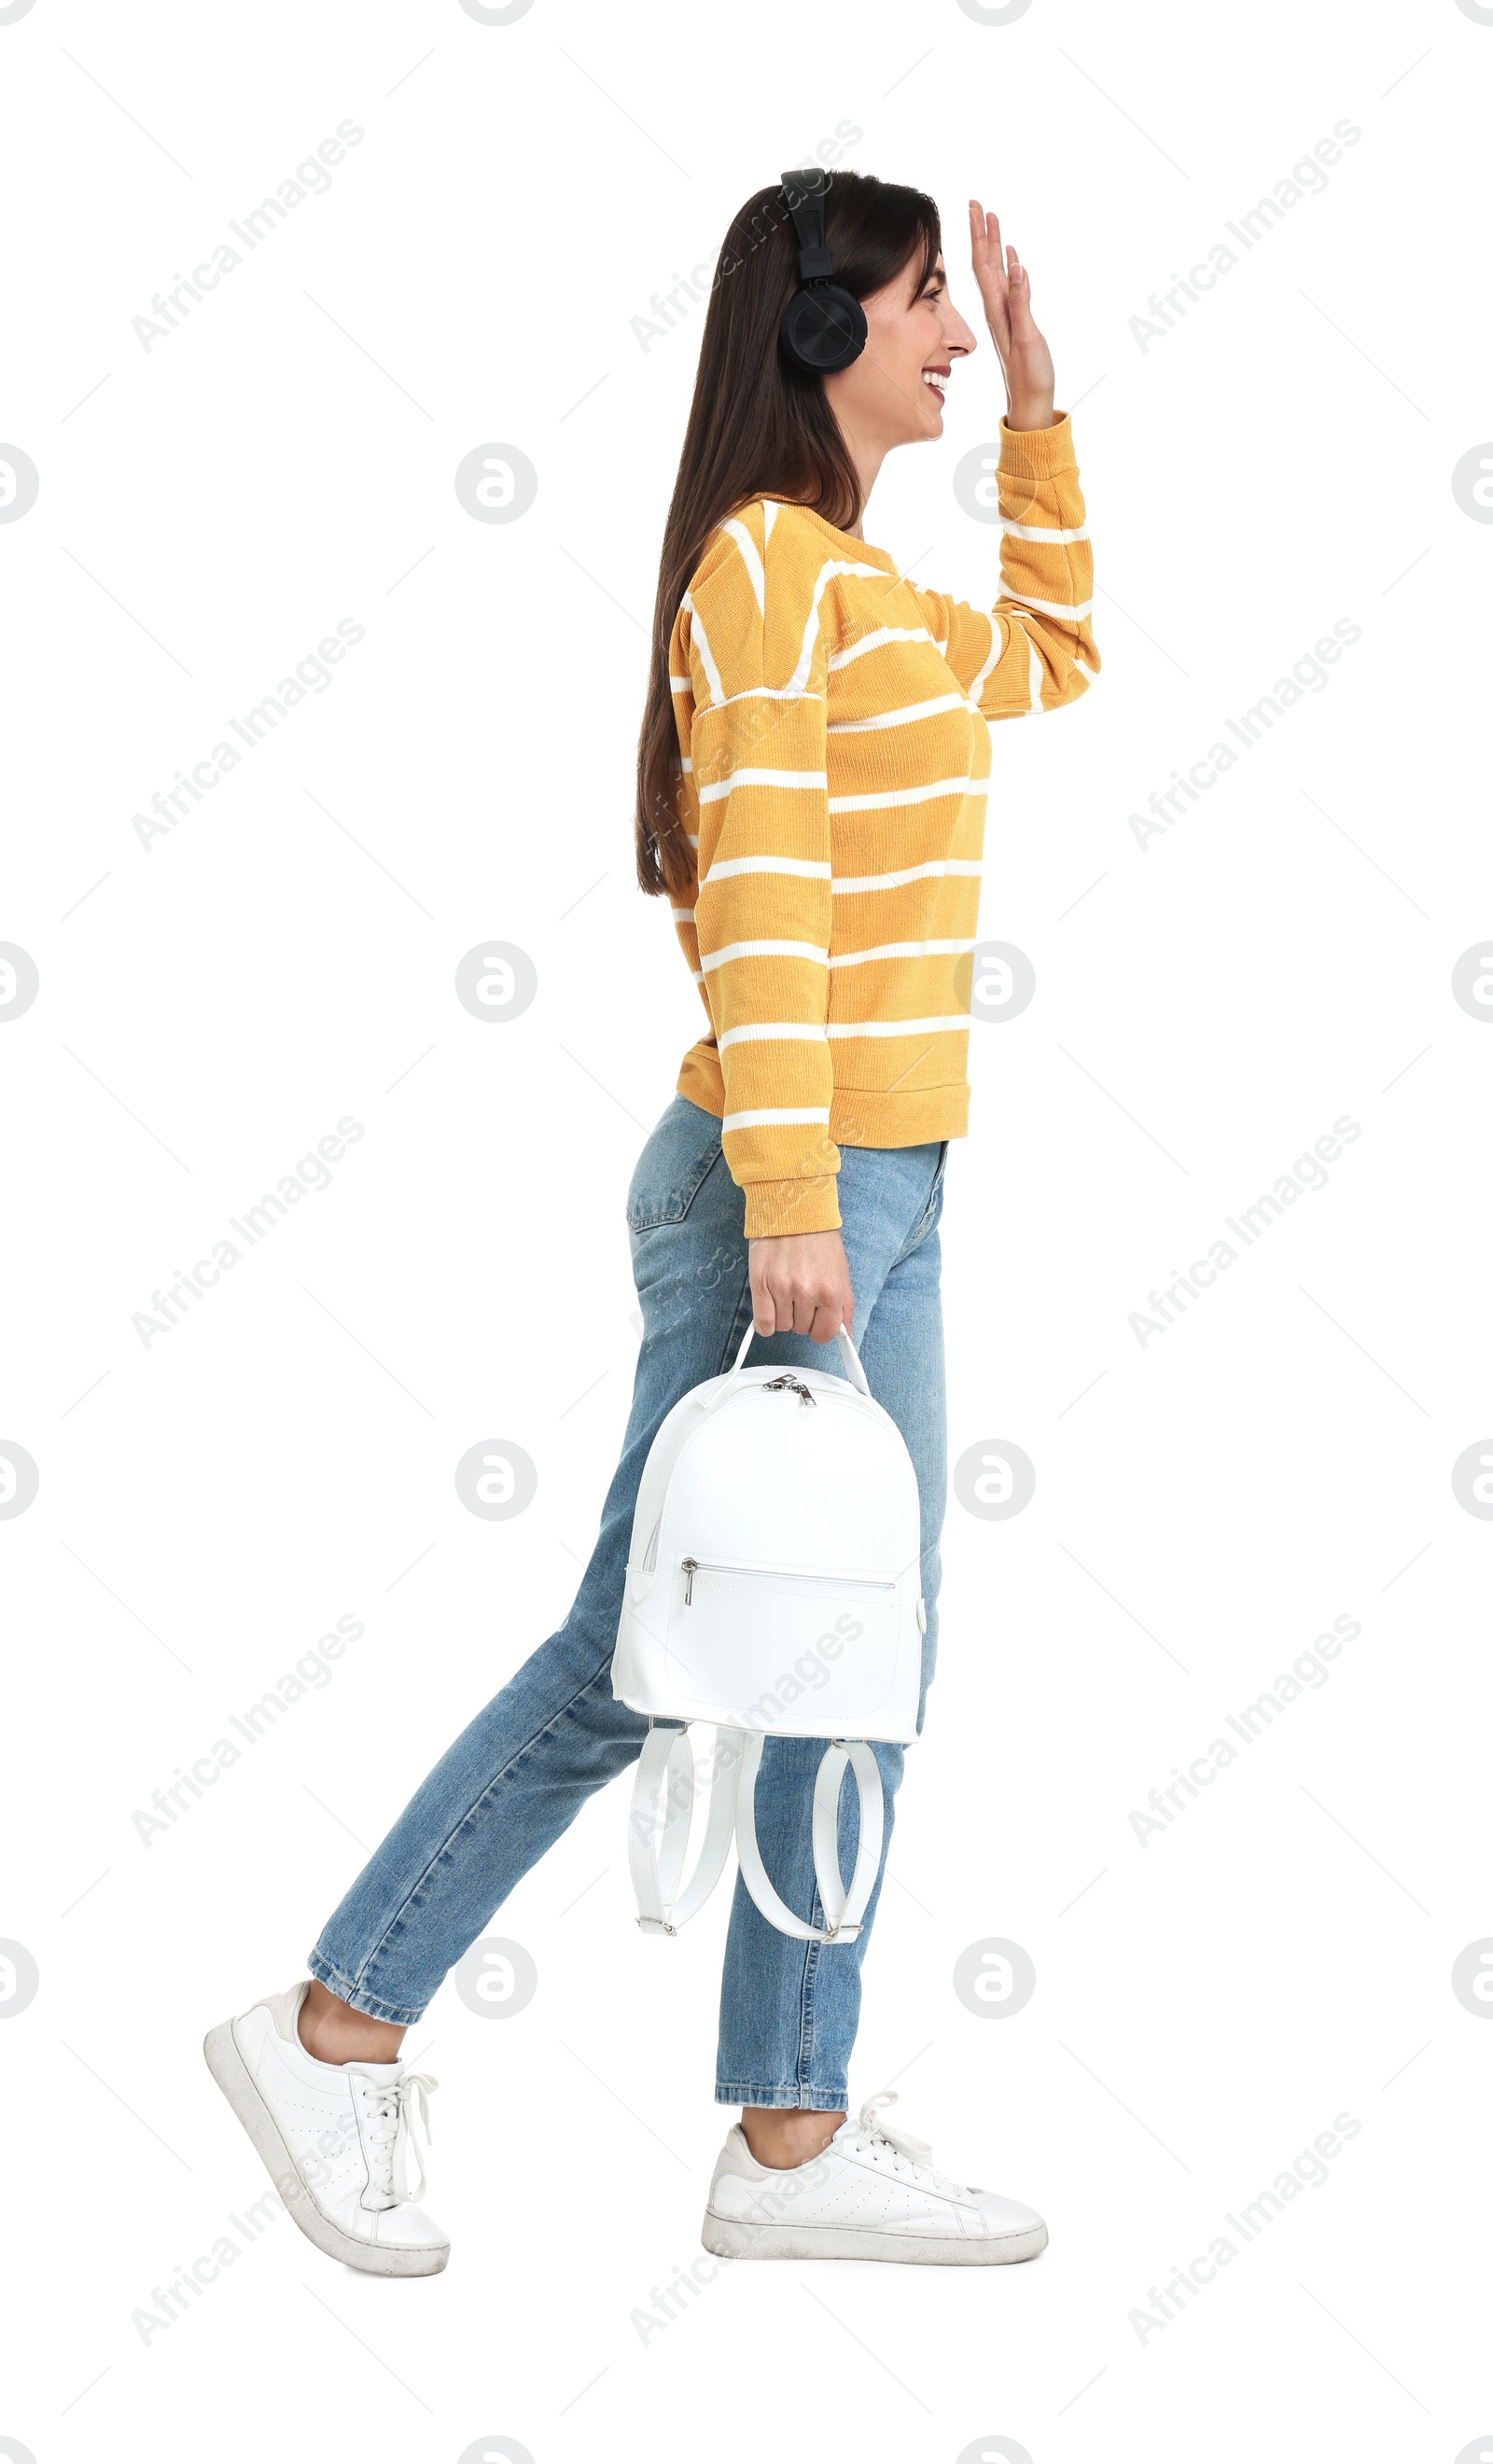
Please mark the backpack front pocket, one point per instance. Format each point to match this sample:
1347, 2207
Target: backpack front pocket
767, 1637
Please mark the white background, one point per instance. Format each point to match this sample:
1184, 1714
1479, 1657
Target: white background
1205, 1505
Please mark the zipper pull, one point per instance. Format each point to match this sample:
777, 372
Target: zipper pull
692, 1567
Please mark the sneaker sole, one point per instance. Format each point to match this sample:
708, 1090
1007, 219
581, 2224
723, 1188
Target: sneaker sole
220, 2050
729, 2238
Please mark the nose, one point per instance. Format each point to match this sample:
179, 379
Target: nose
959, 336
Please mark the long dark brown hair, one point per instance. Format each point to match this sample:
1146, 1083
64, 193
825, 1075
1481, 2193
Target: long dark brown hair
758, 427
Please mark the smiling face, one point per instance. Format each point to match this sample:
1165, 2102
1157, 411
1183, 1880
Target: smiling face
894, 393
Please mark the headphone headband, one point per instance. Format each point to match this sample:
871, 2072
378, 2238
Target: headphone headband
805, 193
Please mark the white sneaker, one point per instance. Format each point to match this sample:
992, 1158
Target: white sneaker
872, 2193
333, 2137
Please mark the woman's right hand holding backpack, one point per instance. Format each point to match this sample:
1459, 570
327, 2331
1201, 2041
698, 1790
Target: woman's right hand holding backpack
801, 1284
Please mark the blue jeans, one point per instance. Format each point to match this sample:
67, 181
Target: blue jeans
521, 1772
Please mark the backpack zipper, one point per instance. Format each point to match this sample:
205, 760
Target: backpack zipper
690, 1567
787, 1383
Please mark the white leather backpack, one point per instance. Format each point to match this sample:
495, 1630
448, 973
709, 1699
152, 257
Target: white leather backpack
772, 1589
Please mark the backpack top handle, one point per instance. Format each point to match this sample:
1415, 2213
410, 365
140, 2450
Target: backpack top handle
712, 1394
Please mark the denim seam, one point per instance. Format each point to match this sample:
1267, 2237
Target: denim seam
756, 2092
811, 1950
921, 1231
397, 1920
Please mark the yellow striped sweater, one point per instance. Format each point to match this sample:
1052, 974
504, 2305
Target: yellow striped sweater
835, 769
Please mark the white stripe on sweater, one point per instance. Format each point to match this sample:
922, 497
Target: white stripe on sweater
731, 866
780, 1032
762, 778
878, 641
709, 960
969, 866
997, 646
765, 692
701, 646
1053, 608
897, 949
901, 718
768, 1118
909, 795
751, 559
1043, 538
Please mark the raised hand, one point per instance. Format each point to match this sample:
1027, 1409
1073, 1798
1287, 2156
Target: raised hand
1006, 291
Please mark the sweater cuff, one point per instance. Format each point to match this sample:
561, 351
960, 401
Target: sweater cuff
1037, 453
774, 1207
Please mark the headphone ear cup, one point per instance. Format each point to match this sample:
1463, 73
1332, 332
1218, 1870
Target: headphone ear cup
823, 329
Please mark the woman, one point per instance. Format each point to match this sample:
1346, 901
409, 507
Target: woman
812, 775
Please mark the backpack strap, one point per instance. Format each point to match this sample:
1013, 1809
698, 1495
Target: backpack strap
843, 1908
656, 1847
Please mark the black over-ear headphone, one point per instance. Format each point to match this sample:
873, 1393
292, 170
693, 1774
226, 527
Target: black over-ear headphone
823, 325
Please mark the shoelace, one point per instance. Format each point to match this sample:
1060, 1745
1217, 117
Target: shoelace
390, 2132
906, 2151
